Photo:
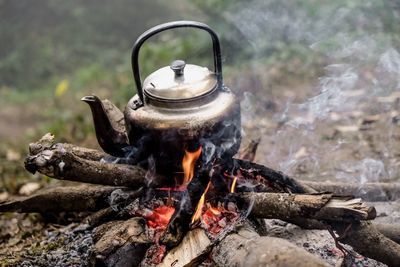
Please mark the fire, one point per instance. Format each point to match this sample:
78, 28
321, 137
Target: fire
233, 185
200, 205
159, 217
215, 219
188, 163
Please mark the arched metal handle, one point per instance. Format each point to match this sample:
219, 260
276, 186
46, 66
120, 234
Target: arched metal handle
171, 25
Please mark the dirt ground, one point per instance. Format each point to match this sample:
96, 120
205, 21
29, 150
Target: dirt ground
351, 136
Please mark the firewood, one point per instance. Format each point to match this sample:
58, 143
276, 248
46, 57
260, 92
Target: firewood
185, 209
376, 240
59, 199
276, 179
391, 231
190, 252
365, 238
247, 248
60, 162
101, 216
320, 206
249, 152
367, 191
120, 243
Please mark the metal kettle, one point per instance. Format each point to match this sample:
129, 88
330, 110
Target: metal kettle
175, 107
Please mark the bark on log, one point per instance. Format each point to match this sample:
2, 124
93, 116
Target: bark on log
60, 162
372, 240
368, 241
120, 243
391, 231
59, 199
276, 179
247, 248
249, 152
367, 191
322, 207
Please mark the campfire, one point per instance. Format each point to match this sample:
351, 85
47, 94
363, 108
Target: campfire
173, 189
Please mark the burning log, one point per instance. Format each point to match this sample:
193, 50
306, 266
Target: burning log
367, 191
65, 161
325, 207
247, 248
275, 179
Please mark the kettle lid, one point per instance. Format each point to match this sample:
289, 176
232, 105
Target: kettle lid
180, 81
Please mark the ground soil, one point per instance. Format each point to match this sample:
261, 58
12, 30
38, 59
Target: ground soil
356, 140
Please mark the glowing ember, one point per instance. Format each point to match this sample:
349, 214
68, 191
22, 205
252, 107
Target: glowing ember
215, 219
188, 163
159, 217
200, 205
233, 185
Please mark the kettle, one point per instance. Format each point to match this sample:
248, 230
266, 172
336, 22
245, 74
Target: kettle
176, 108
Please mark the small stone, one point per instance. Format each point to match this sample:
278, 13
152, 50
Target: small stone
29, 188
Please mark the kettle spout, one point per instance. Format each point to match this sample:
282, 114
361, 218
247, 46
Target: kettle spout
109, 125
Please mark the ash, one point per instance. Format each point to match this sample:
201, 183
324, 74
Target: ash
75, 247
317, 242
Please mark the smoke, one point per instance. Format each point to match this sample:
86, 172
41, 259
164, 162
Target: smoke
341, 124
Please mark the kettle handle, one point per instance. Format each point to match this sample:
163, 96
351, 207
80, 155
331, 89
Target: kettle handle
171, 25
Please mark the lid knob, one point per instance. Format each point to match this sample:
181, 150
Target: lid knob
178, 66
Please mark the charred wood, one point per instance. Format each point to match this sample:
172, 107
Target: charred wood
250, 151
185, 209
275, 179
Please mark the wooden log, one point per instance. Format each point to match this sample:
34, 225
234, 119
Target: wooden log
321, 206
391, 231
190, 252
275, 179
367, 191
249, 152
60, 162
185, 208
247, 248
59, 199
368, 241
120, 243
376, 240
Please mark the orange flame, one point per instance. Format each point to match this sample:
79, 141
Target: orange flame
233, 185
188, 163
200, 205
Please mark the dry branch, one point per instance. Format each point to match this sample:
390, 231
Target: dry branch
247, 248
321, 206
66, 162
59, 199
190, 252
368, 241
367, 191
391, 231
